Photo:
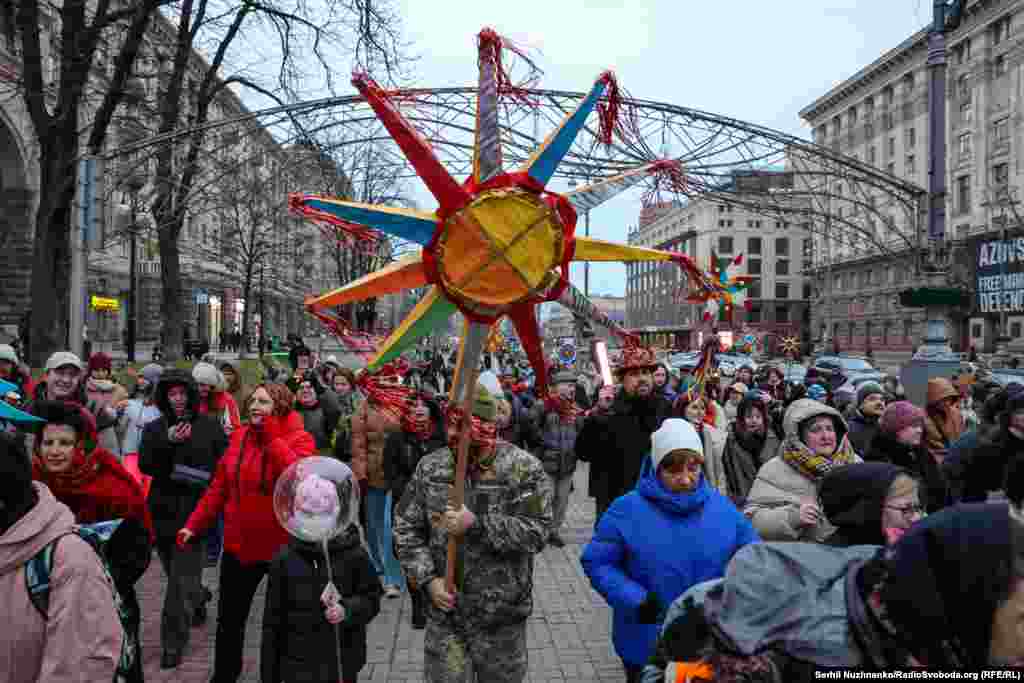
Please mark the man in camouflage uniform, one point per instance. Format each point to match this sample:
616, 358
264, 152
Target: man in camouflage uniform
505, 521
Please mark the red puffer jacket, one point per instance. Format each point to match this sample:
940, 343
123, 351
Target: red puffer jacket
243, 487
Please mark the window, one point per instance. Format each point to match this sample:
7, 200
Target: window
781, 246
781, 290
964, 144
908, 84
757, 224
1000, 30
911, 164
754, 315
871, 154
963, 194
963, 86
754, 290
887, 95
999, 66
962, 51
837, 125
725, 244
837, 282
911, 137
890, 168
721, 208
976, 331
892, 146
728, 223
966, 112
852, 116
1000, 174
782, 267
754, 266
1015, 330
750, 223
782, 314
1001, 130
721, 223
807, 290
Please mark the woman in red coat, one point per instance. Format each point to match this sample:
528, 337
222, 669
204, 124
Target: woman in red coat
243, 491
94, 484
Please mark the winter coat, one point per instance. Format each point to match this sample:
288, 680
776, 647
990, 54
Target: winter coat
522, 430
616, 444
171, 502
714, 440
919, 463
862, 430
557, 450
222, 406
341, 439
937, 436
984, 468
238, 391
370, 429
320, 420
655, 541
243, 487
773, 504
403, 452
740, 466
298, 641
134, 418
954, 465
512, 503
81, 638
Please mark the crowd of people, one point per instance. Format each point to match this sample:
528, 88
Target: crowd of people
746, 528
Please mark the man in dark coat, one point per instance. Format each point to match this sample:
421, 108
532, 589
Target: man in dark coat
616, 445
864, 415
180, 450
985, 469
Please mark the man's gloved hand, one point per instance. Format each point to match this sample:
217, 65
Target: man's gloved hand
649, 610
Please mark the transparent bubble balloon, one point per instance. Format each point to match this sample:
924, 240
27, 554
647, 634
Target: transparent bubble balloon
316, 498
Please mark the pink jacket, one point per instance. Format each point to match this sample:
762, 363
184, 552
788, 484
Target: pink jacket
81, 640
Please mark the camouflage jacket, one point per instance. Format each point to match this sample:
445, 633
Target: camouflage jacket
512, 504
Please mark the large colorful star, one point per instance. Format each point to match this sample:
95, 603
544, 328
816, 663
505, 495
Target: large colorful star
499, 243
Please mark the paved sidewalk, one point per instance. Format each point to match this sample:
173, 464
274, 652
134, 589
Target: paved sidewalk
568, 635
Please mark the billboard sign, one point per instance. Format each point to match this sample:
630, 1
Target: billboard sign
1000, 276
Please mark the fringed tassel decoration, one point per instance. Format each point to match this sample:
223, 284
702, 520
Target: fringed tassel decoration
383, 388
489, 48
609, 109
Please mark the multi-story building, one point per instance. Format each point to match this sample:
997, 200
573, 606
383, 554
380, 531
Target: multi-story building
773, 252
561, 323
211, 262
880, 116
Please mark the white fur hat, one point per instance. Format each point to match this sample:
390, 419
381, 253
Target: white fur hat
205, 373
674, 434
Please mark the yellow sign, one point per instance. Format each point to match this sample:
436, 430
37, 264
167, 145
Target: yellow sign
100, 303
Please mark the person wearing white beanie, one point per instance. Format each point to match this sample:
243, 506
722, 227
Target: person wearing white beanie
654, 543
213, 399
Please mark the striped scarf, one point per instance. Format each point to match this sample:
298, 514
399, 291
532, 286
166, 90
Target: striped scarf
812, 465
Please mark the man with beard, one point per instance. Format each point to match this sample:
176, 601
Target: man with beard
745, 448
505, 520
616, 445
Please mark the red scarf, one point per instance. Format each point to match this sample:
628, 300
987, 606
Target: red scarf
96, 487
484, 434
420, 430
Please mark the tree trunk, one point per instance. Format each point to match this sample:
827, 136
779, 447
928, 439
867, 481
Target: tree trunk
51, 249
247, 311
172, 336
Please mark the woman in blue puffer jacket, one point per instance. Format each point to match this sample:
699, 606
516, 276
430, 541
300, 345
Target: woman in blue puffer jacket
672, 532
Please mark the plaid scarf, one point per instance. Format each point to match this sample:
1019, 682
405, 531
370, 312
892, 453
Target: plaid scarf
812, 465
420, 430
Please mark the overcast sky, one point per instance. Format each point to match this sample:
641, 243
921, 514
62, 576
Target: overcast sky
749, 59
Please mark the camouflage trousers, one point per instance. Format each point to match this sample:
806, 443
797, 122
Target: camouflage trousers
452, 655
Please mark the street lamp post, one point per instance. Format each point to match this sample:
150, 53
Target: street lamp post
133, 184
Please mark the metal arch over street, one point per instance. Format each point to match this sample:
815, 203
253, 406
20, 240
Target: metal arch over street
725, 160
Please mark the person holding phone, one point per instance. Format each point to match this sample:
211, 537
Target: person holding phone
180, 451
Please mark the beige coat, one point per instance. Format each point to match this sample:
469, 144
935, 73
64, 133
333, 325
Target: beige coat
81, 640
773, 504
714, 440
370, 429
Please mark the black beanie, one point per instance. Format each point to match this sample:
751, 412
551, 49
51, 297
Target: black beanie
16, 493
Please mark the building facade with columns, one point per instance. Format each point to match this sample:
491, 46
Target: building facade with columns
211, 284
880, 116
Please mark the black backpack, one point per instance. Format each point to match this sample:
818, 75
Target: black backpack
37, 582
